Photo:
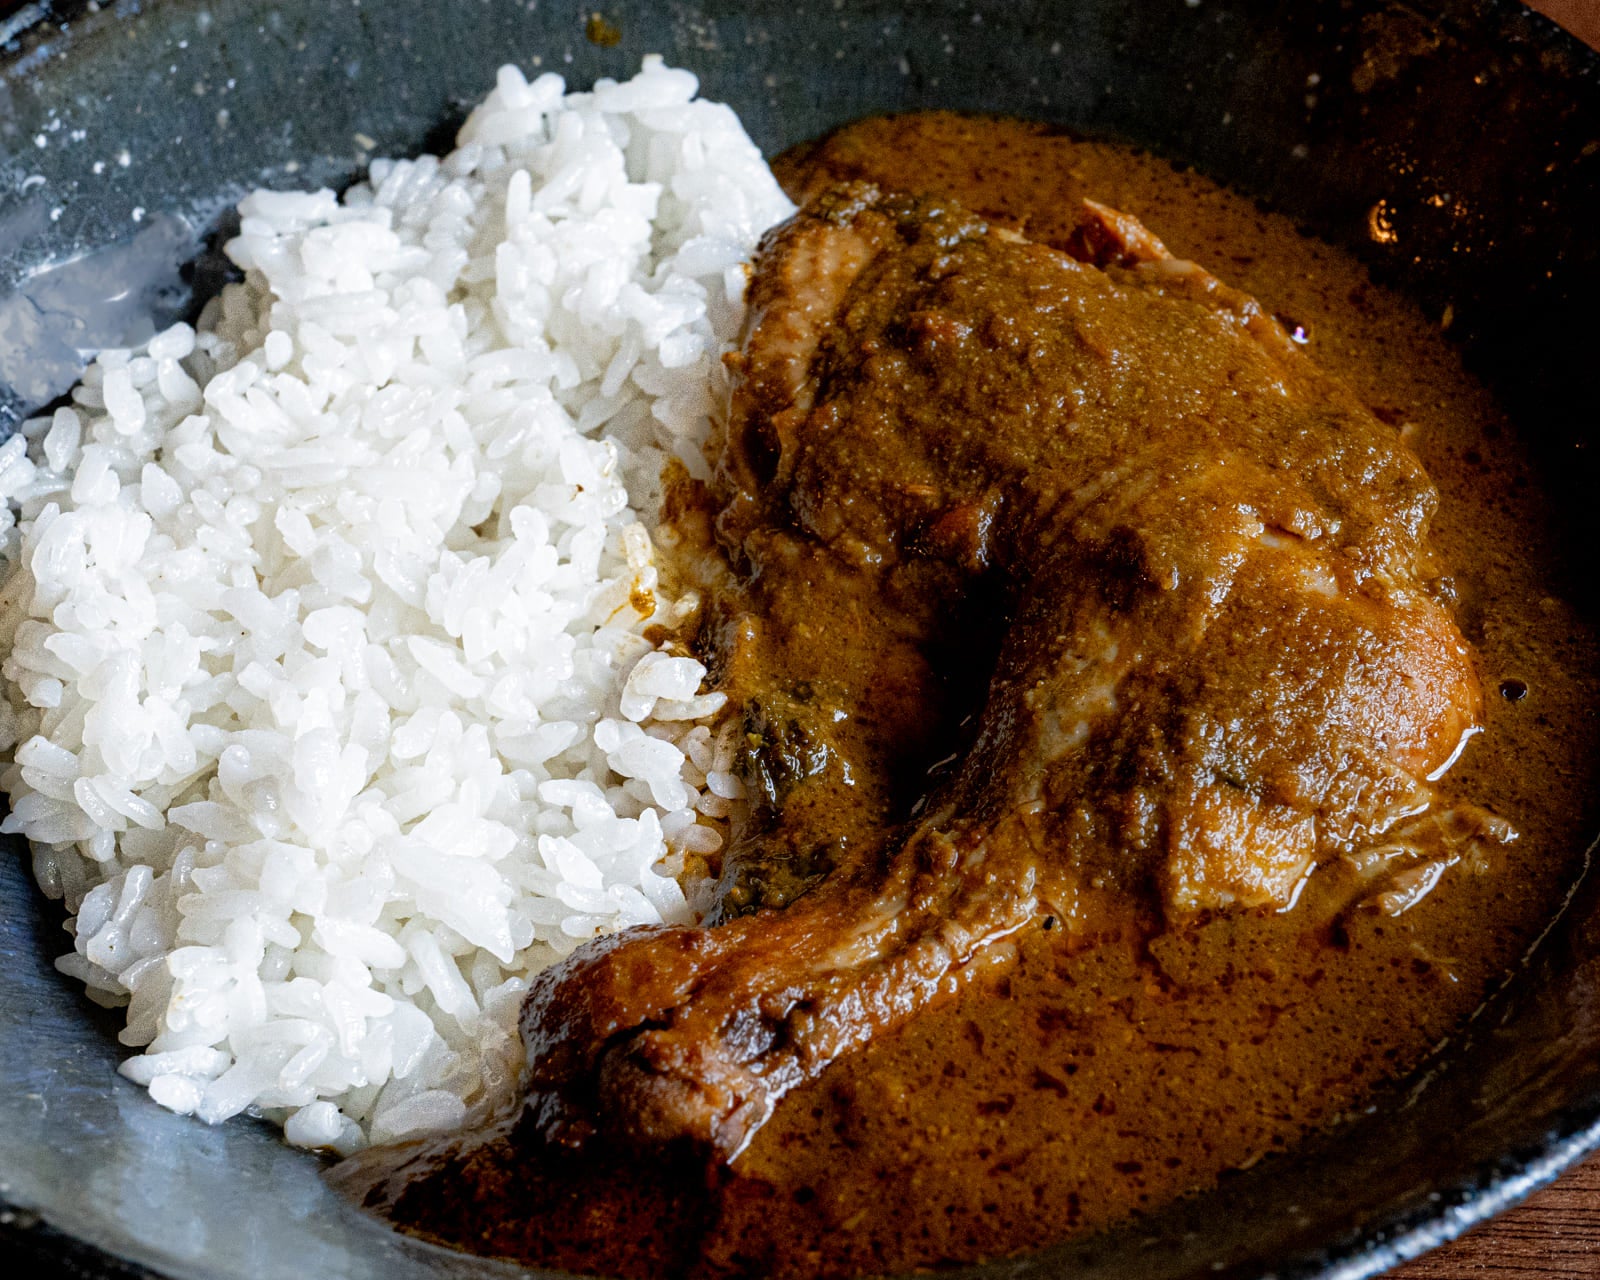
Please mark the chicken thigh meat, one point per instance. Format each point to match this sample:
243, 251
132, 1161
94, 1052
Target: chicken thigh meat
1055, 579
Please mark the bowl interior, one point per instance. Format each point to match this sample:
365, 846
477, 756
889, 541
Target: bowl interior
126, 133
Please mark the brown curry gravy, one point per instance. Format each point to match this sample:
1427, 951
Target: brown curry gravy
1066, 1092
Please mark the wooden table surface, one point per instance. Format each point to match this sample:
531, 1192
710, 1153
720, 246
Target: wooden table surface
1555, 1232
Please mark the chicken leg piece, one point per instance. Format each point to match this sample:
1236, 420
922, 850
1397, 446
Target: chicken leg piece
1185, 570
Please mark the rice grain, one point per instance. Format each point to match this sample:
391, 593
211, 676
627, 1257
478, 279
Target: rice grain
330, 710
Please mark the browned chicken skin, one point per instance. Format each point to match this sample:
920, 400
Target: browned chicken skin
1214, 653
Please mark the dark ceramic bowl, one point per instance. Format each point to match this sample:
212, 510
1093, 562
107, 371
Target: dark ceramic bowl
125, 133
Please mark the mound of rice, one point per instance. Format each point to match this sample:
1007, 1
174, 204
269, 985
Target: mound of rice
332, 712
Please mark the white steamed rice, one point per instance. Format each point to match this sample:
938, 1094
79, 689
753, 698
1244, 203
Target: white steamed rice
332, 715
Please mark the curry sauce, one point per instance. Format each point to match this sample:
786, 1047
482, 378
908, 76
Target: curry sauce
1080, 1074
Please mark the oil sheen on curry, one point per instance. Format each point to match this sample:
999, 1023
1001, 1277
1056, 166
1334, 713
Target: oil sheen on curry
1163, 727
